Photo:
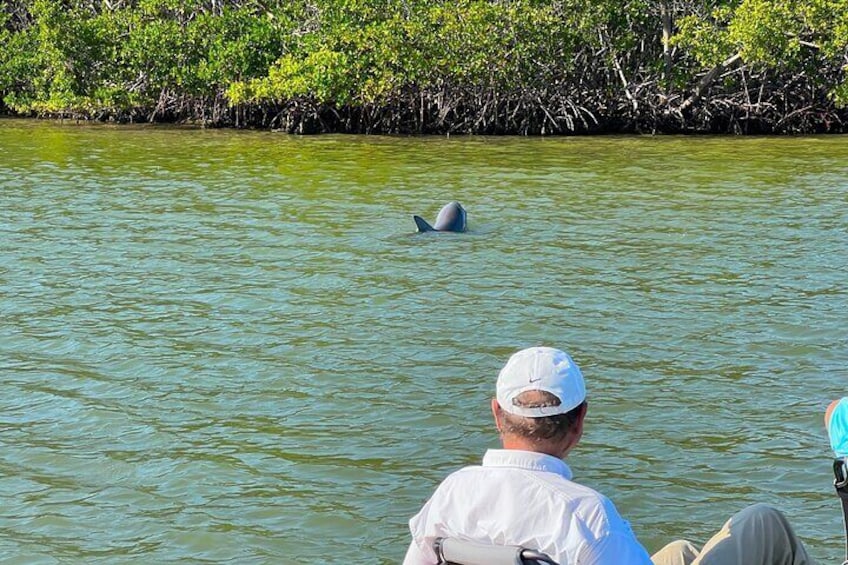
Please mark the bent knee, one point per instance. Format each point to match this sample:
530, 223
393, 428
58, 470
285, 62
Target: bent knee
678, 552
681, 545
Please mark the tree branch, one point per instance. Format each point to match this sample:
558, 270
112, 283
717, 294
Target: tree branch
706, 81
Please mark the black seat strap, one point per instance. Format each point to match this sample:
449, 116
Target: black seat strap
840, 483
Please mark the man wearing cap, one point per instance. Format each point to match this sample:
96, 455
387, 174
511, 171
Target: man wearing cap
523, 494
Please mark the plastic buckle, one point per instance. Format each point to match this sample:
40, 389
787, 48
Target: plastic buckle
840, 473
438, 547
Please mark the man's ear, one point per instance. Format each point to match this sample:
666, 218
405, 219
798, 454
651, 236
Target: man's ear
573, 438
496, 413
581, 416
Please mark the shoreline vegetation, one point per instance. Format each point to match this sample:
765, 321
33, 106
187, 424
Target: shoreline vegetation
525, 67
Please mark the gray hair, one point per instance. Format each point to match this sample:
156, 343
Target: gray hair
544, 428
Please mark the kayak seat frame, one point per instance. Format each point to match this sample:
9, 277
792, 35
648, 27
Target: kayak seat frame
455, 551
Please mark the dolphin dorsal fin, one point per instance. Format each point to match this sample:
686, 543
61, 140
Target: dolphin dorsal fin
422, 224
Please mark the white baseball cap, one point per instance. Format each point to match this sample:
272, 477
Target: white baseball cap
541, 368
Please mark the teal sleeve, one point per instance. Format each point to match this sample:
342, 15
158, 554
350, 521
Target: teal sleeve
838, 428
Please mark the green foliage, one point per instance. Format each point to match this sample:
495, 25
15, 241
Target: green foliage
78, 60
804, 35
368, 51
766, 32
707, 39
140, 57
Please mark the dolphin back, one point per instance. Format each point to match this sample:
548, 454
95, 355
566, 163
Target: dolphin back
422, 224
451, 218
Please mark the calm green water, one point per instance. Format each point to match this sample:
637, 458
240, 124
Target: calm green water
224, 346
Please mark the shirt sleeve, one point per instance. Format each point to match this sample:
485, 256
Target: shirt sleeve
615, 548
414, 556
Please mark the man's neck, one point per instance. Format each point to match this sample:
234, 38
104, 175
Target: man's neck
523, 444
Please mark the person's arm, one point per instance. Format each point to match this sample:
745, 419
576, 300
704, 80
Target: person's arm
836, 422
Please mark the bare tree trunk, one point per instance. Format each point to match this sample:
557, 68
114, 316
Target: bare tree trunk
665, 15
706, 81
607, 42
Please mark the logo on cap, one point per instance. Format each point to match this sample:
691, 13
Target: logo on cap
540, 368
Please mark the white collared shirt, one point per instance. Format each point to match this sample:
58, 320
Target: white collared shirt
528, 499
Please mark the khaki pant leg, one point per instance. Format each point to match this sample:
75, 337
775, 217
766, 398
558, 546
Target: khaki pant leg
756, 535
678, 552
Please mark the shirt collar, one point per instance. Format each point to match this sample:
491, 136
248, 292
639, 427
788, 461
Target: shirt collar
529, 460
